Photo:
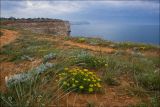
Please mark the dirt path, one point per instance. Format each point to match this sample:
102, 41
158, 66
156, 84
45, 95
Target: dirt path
89, 47
7, 37
80, 45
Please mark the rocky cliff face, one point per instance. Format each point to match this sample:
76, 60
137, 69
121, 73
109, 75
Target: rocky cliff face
55, 27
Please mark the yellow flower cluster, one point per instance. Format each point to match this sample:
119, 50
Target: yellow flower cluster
81, 80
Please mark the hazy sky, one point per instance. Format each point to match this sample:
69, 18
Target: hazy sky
111, 11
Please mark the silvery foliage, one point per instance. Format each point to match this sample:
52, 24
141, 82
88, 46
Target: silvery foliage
83, 54
81, 57
112, 45
137, 54
27, 57
94, 42
32, 47
29, 75
49, 56
22, 77
120, 52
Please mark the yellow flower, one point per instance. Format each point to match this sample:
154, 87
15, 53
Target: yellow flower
63, 74
99, 79
82, 72
98, 85
81, 87
91, 85
76, 81
86, 75
68, 84
70, 71
90, 90
94, 75
77, 69
73, 85
84, 79
85, 70
106, 65
74, 73
89, 80
74, 69
66, 69
64, 83
90, 72
94, 80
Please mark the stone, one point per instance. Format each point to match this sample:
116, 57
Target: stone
54, 26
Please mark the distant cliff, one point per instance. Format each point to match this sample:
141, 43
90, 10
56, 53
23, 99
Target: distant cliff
54, 26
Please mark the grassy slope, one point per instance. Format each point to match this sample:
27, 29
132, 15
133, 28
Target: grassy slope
133, 76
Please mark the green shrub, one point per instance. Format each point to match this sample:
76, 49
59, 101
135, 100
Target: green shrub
137, 46
137, 91
1, 33
79, 80
88, 60
66, 38
81, 40
155, 101
109, 79
150, 80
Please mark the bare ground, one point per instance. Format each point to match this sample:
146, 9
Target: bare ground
8, 36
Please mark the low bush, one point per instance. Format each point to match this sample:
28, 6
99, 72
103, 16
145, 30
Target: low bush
1, 33
137, 91
109, 79
80, 80
81, 40
88, 60
149, 80
49, 56
66, 38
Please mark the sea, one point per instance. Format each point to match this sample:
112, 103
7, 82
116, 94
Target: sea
149, 34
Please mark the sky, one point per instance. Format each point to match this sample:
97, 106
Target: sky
144, 12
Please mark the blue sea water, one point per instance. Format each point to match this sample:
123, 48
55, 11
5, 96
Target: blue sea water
149, 34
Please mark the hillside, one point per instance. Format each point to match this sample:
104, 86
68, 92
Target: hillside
61, 70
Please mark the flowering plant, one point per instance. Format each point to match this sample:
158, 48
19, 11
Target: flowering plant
80, 80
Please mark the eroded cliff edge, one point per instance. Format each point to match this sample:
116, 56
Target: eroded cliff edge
54, 26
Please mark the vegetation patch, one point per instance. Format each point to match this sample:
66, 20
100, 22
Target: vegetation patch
1, 33
150, 80
81, 40
80, 80
88, 60
134, 73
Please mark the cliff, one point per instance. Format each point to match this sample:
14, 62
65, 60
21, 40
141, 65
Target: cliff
54, 26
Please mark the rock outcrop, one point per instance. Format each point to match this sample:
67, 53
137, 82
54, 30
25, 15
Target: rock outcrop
55, 27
